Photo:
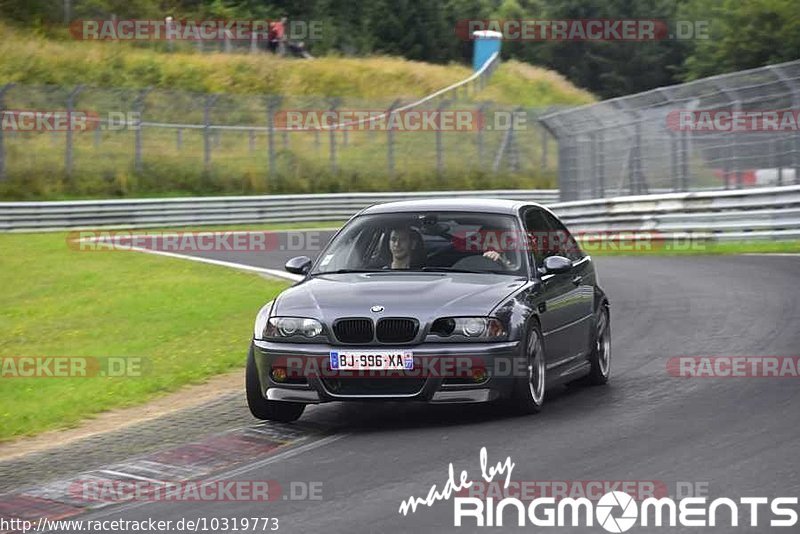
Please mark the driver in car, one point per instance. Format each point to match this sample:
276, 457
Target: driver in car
405, 248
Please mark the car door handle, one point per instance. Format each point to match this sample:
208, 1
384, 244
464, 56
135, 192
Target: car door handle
577, 280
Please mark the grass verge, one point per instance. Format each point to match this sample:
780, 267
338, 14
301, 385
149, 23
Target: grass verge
185, 321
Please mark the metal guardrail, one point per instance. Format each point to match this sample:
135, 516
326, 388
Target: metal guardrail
764, 213
143, 213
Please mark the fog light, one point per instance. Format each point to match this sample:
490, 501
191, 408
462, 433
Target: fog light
479, 374
278, 374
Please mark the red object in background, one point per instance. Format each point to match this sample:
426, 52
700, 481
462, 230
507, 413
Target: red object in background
729, 178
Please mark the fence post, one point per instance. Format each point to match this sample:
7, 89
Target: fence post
601, 164
673, 161
479, 133
210, 99
272, 105
334, 103
68, 157
390, 138
139, 106
513, 155
796, 156
3, 92
545, 137
593, 164
179, 139
439, 147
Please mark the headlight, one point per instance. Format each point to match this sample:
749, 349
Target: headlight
292, 327
261, 320
474, 328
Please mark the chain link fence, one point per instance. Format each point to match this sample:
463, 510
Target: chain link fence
158, 141
725, 132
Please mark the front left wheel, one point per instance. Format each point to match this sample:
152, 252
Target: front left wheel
264, 409
528, 396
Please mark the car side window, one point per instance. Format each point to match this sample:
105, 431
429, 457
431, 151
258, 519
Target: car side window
562, 241
538, 229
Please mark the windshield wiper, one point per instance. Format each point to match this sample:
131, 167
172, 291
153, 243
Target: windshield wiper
447, 270
456, 270
348, 271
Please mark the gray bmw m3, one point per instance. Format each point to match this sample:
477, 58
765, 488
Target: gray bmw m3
438, 301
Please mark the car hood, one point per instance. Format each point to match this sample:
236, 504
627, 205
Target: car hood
424, 296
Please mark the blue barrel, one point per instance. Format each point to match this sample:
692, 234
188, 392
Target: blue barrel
486, 43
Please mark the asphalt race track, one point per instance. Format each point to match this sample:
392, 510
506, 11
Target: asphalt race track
740, 436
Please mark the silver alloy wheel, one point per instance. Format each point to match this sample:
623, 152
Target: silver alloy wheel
603, 344
536, 368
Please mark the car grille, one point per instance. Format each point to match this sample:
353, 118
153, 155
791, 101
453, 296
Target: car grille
374, 386
353, 330
398, 330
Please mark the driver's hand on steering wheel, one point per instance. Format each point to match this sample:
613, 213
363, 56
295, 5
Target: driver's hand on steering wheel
496, 256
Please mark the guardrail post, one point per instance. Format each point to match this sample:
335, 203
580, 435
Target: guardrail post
251, 136
3, 92
139, 108
390, 138
68, 156
179, 138
334, 103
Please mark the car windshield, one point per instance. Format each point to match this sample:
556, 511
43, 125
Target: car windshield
427, 242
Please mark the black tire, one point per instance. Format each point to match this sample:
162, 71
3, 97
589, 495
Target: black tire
527, 398
264, 409
600, 358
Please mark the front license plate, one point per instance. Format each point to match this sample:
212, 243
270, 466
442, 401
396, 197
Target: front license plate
372, 360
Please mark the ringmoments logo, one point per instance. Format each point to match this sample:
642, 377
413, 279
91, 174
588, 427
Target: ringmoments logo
615, 511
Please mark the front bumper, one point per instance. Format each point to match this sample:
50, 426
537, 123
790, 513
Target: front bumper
499, 360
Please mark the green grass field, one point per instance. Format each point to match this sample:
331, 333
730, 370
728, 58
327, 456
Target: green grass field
186, 321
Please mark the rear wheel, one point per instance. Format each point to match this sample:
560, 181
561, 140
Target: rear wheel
600, 358
262, 408
528, 396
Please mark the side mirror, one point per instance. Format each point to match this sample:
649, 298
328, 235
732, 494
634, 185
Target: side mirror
298, 265
556, 265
